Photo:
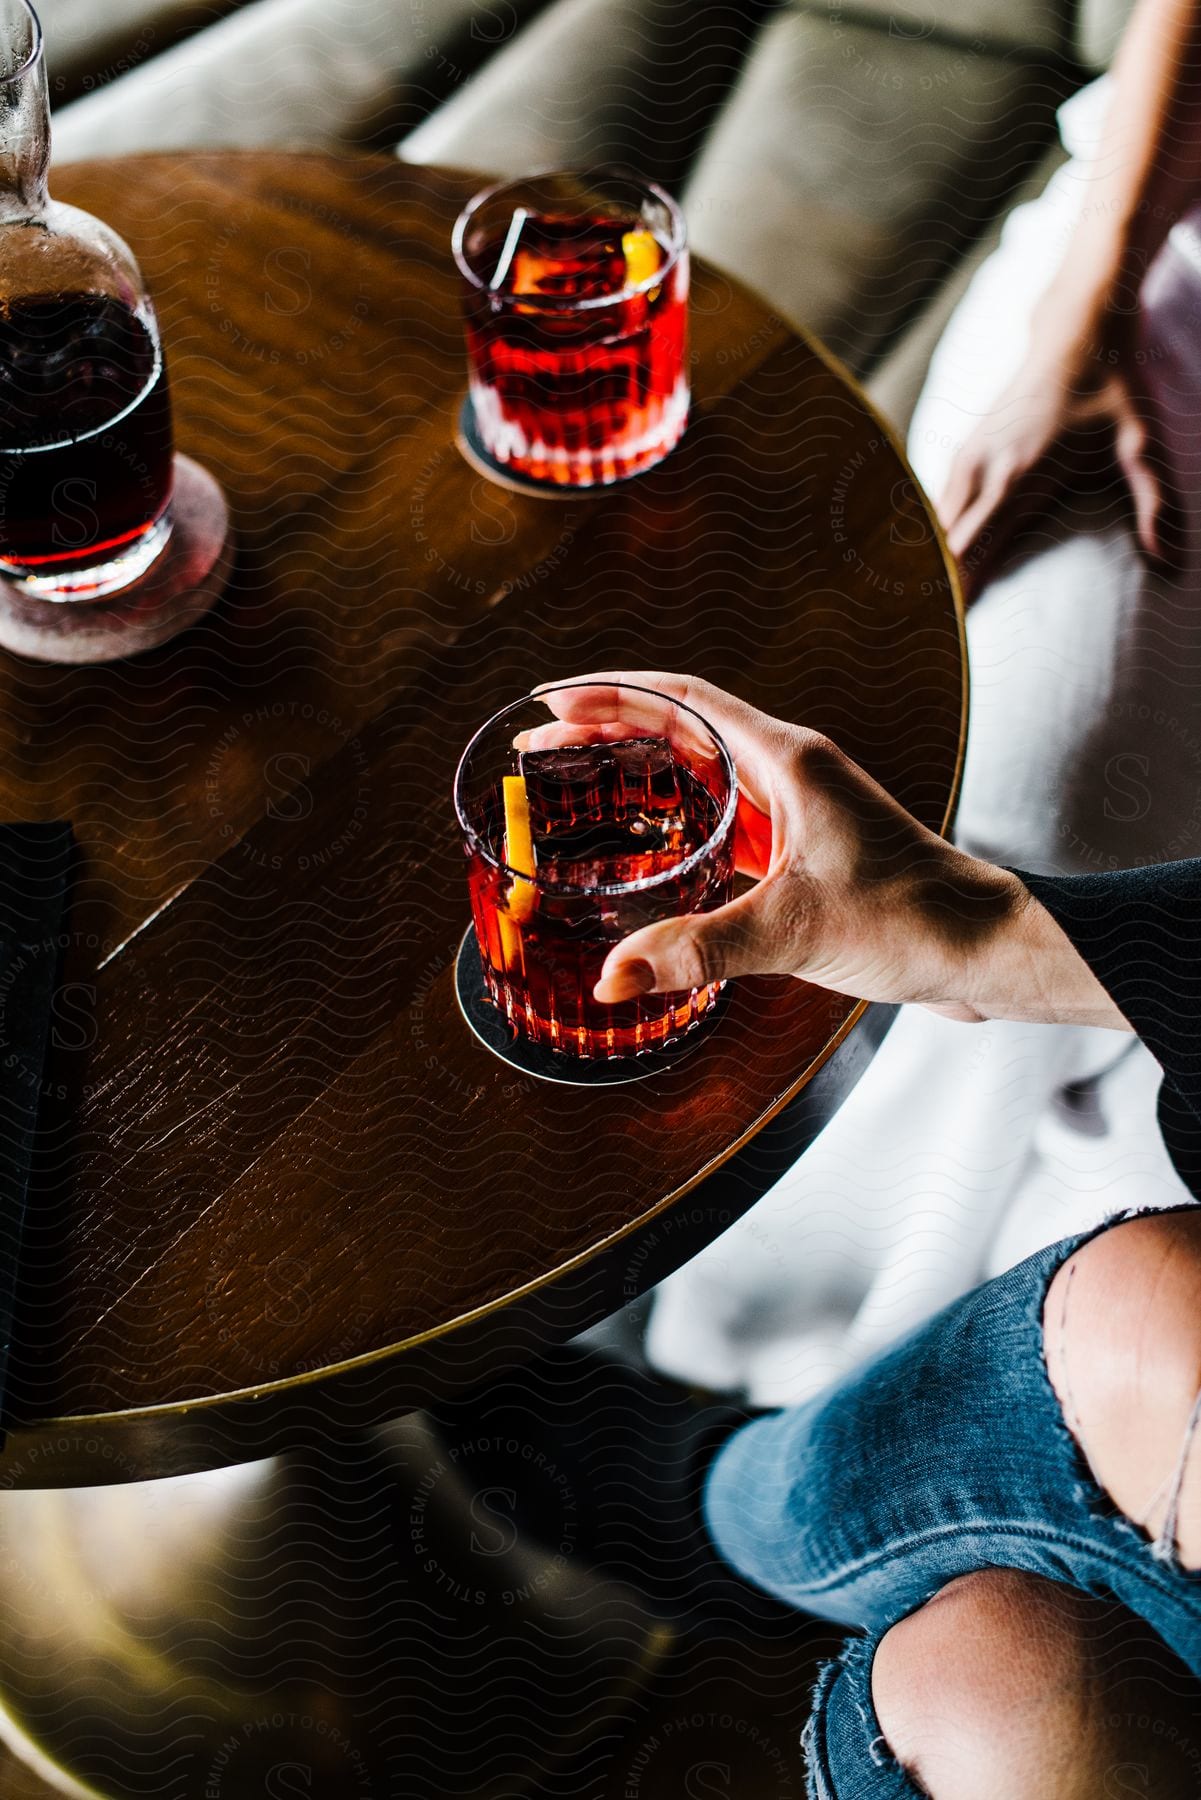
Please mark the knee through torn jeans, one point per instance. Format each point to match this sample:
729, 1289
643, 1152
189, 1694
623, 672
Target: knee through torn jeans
947, 1454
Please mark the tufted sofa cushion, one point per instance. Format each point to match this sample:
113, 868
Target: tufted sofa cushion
90, 44
1099, 25
843, 156
310, 73
897, 379
1032, 26
633, 81
849, 168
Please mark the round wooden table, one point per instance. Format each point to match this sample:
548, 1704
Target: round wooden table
283, 1188
282, 1193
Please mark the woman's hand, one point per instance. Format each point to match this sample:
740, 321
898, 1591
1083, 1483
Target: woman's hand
851, 892
1049, 426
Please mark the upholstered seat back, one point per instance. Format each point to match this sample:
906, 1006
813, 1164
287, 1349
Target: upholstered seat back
1099, 25
313, 73
848, 158
1031, 26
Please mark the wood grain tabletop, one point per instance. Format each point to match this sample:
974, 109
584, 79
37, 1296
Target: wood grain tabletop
276, 1172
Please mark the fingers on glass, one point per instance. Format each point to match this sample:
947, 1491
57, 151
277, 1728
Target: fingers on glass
647, 700
558, 734
604, 711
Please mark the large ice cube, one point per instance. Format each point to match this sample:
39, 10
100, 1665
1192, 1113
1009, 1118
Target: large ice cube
566, 259
575, 782
647, 775
603, 801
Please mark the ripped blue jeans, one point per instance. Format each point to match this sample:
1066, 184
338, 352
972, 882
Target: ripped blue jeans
945, 1455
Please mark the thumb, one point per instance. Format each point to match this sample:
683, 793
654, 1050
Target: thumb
695, 949
1132, 444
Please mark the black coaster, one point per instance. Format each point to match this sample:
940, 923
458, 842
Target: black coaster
471, 448
496, 1034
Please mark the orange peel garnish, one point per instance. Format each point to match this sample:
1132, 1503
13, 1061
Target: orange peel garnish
642, 254
519, 848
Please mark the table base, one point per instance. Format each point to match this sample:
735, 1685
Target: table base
177, 589
349, 1628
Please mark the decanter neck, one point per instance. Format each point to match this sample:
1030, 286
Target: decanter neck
24, 114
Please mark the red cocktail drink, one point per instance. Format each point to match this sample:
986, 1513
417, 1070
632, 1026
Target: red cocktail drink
577, 327
86, 466
573, 847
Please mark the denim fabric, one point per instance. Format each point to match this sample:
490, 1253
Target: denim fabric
945, 1455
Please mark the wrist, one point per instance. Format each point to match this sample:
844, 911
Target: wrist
967, 915
1075, 321
990, 953
1028, 970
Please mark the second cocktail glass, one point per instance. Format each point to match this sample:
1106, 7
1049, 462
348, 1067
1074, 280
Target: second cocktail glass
576, 308
580, 831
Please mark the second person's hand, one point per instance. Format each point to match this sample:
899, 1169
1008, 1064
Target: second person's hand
1042, 432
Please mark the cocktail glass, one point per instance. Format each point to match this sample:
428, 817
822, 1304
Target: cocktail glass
577, 834
576, 305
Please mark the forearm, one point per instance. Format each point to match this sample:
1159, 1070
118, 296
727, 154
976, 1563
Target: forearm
1145, 174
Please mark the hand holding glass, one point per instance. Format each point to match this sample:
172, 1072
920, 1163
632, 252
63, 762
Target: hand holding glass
580, 832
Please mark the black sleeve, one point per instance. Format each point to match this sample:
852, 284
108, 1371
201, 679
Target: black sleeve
1139, 930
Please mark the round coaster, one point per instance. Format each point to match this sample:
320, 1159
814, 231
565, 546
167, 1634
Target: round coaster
178, 588
497, 1035
471, 448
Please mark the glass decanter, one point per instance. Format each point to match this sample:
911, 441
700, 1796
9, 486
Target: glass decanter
86, 455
